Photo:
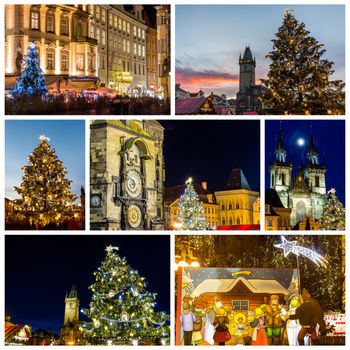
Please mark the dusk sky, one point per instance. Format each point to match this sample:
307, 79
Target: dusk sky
67, 137
329, 136
210, 38
39, 270
207, 150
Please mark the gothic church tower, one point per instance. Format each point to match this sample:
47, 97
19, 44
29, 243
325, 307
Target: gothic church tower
71, 311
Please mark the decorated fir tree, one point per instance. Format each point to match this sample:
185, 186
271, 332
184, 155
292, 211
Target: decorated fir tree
31, 82
299, 77
191, 211
122, 310
333, 217
45, 192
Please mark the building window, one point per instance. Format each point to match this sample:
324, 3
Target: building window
143, 70
135, 49
135, 30
64, 60
119, 23
223, 222
115, 22
143, 51
269, 222
97, 12
98, 35
128, 28
283, 179
139, 51
238, 221
135, 71
110, 19
242, 305
115, 42
80, 61
139, 32
50, 22
139, 69
102, 60
143, 34
317, 181
124, 26
272, 180
128, 46
34, 17
91, 9
124, 45
50, 59
64, 25
237, 205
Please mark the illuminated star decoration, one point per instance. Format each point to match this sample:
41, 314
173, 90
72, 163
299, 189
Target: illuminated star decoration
109, 249
189, 181
292, 247
43, 138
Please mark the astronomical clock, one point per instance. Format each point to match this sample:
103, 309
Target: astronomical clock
127, 175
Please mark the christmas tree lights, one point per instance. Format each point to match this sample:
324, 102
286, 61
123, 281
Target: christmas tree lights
299, 77
333, 217
46, 196
121, 308
191, 211
31, 82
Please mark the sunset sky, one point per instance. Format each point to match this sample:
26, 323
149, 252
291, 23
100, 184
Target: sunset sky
209, 39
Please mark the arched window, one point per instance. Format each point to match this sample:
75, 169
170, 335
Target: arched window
230, 206
238, 221
230, 221
50, 21
64, 24
34, 18
237, 205
50, 59
64, 60
223, 221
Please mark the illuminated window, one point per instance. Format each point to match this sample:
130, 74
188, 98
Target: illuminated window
139, 32
124, 26
119, 23
128, 46
103, 15
50, 21
80, 61
135, 30
34, 18
135, 49
128, 28
115, 22
97, 12
124, 45
50, 59
64, 25
64, 60
103, 37
241, 305
110, 19
143, 34
143, 51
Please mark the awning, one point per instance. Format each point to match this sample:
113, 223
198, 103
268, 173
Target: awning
50, 80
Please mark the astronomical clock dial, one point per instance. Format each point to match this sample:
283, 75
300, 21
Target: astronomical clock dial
133, 184
95, 201
134, 216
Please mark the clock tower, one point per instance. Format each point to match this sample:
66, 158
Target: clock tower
71, 311
127, 175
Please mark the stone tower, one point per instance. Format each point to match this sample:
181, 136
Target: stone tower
281, 171
247, 66
71, 311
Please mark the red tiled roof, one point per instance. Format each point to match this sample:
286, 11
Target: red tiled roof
189, 105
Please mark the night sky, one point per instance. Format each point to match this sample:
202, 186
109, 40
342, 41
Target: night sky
39, 270
150, 12
207, 150
330, 139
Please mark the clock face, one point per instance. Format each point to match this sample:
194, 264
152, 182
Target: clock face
95, 201
134, 216
133, 184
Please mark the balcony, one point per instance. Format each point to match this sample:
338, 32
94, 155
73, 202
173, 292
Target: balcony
85, 39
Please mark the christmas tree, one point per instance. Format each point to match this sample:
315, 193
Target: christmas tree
191, 211
121, 309
299, 78
46, 196
31, 82
333, 217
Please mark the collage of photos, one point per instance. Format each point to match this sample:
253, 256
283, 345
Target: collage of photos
172, 128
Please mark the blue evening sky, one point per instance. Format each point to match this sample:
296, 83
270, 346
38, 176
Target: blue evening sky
67, 137
209, 39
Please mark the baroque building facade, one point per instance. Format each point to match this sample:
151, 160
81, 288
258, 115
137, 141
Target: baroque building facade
114, 45
126, 175
305, 194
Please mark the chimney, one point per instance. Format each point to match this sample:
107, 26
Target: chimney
204, 185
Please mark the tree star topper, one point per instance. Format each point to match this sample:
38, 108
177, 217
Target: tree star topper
292, 247
43, 138
288, 12
109, 249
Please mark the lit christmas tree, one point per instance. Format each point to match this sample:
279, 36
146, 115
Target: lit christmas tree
31, 82
299, 78
333, 217
191, 211
46, 196
121, 309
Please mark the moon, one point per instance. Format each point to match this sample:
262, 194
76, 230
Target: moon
300, 142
